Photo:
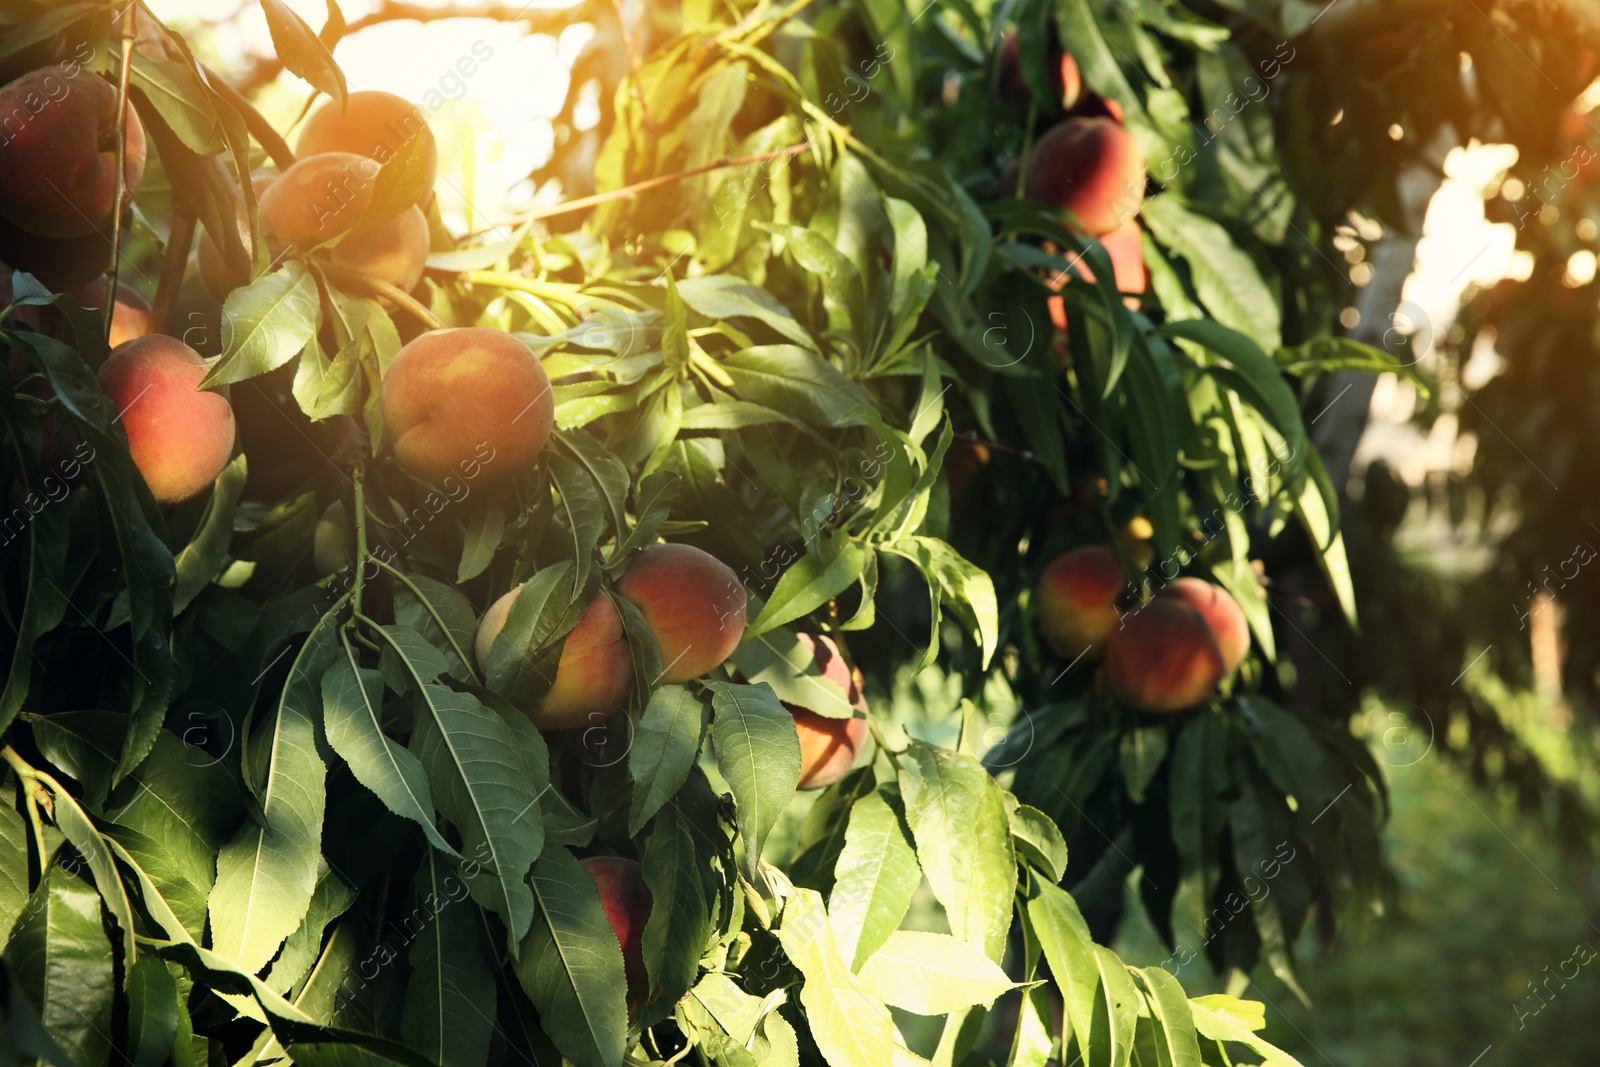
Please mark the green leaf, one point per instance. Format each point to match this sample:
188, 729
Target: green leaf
487, 775
778, 658
810, 582
400, 184
1246, 369
441, 614
666, 743
1171, 1010
354, 724
184, 104
682, 875
849, 1025
201, 559
1318, 507
957, 816
75, 825
450, 999
152, 1011
964, 584
758, 752
179, 806
267, 873
303, 948
61, 961
1228, 1019
875, 878
1038, 840
1054, 918
13, 869
1226, 279
302, 51
571, 965
932, 974
795, 381
723, 296
1123, 1004
265, 324
522, 661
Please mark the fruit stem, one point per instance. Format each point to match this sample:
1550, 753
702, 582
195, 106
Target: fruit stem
174, 260
378, 289
269, 139
123, 75
648, 184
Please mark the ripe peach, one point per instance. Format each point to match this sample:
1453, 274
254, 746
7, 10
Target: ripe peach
180, 437
371, 124
60, 263
1066, 81
1222, 614
593, 675
693, 603
1126, 248
1076, 601
1165, 658
58, 156
1092, 168
450, 395
828, 747
322, 197
626, 900
208, 258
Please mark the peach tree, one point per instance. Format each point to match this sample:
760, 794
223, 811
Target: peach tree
579, 641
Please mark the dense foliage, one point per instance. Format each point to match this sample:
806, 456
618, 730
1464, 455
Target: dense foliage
263, 811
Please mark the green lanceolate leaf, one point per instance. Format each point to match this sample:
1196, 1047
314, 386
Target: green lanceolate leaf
932, 974
571, 965
1038, 840
758, 752
665, 745
61, 961
450, 998
201, 558
849, 1024
267, 873
875, 877
352, 719
173, 813
810, 582
302, 51
1054, 919
487, 777
152, 1011
265, 324
1170, 1006
13, 868
1226, 279
301, 949
681, 872
779, 659
957, 816
796, 381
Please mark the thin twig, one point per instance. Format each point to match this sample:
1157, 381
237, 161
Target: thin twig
123, 76
645, 186
382, 290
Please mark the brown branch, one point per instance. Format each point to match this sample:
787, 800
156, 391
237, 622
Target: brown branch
269, 138
174, 260
626, 191
128, 15
537, 20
